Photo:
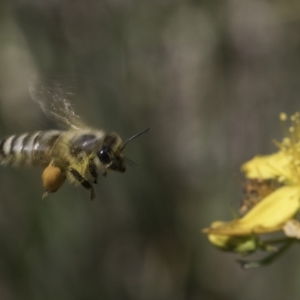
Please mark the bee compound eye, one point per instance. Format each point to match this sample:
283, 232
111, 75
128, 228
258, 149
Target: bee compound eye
104, 156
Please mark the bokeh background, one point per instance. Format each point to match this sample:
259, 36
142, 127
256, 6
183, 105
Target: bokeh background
210, 78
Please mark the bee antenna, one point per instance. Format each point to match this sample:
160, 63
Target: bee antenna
132, 163
133, 137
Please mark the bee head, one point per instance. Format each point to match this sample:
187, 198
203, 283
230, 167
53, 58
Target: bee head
110, 154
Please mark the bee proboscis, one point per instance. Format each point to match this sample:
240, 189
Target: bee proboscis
76, 153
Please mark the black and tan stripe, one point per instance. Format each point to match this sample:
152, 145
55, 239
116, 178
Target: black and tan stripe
7, 145
52, 138
42, 145
26, 138
28, 148
6, 149
11, 149
15, 146
22, 149
12, 144
2, 154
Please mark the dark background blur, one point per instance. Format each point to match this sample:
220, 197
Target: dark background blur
210, 78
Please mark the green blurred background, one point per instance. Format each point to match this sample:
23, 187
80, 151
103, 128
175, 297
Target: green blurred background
210, 78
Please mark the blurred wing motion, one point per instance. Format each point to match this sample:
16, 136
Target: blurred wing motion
53, 99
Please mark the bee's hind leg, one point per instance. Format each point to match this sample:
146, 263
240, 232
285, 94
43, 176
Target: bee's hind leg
53, 178
83, 182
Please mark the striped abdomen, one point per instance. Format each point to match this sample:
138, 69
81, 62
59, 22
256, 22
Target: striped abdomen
29, 148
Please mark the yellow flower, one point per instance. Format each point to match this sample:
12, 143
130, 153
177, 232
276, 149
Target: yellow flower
276, 209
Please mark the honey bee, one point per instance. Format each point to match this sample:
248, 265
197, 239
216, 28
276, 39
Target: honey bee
76, 153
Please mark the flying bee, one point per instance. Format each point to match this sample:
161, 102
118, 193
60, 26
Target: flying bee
76, 153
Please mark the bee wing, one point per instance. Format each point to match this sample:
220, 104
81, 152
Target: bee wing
53, 99
88, 141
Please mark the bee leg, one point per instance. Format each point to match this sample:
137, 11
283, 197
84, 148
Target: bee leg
45, 195
83, 182
93, 170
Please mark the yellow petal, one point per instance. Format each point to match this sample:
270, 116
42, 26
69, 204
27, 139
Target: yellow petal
269, 215
268, 166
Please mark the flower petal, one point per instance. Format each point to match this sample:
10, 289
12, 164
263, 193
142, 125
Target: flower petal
269, 215
268, 166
